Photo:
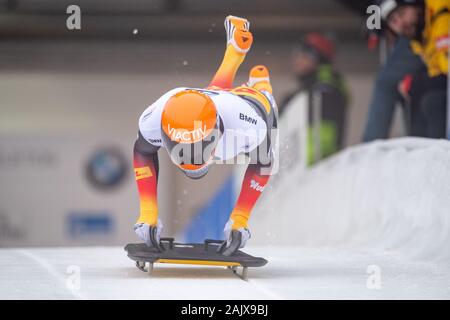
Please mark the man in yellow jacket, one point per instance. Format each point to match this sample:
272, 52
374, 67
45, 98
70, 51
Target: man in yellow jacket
427, 24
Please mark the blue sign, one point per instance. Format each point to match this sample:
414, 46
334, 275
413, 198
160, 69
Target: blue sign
87, 224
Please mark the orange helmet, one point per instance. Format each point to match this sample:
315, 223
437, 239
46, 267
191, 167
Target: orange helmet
189, 131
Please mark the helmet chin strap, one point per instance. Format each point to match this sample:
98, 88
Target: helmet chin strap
201, 172
197, 174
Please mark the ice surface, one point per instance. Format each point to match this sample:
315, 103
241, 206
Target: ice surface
292, 273
371, 223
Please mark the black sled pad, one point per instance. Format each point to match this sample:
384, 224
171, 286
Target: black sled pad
191, 253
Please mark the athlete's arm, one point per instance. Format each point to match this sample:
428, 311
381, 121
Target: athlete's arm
236, 230
239, 41
255, 179
146, 173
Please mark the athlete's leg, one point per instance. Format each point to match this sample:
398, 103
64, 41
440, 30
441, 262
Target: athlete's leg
239, 41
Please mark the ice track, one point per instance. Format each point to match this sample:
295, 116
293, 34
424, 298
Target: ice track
292, 273
370, 223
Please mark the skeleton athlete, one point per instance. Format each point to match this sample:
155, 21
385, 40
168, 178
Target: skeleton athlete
201, 126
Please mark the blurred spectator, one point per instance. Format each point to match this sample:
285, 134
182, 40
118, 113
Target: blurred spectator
416, 71
400, 62
312, 63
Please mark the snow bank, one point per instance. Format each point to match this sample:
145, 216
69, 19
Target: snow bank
387, 195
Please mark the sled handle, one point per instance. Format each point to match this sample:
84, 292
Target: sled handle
211, 241
169, 240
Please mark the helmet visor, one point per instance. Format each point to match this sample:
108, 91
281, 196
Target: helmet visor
195, 154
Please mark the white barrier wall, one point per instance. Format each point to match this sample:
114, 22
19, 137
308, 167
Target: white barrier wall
387, 195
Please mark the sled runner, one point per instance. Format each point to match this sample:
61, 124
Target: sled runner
207, 253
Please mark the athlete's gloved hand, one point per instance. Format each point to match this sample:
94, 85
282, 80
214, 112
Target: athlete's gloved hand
235, 239
151, 235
